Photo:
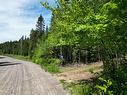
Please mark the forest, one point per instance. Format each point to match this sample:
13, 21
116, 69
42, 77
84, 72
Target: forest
81, 31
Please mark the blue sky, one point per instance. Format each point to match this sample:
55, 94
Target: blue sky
18, 17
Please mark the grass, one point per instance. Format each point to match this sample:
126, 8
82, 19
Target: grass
20, 57
86, 68
50, 65
92, 69
52, 68
79, 88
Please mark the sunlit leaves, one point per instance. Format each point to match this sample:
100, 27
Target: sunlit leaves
109, 6
86, 23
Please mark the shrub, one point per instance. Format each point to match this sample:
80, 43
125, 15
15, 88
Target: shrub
77, 88
51, 65
103, 88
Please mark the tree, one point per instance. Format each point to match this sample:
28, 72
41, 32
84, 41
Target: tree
94, 25
36, 35
40, 26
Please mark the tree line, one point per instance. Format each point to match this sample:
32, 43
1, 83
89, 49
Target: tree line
25, 45
28, 46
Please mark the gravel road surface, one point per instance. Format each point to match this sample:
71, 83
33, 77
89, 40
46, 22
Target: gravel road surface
19, 77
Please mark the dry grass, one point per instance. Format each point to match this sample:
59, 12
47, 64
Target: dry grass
80, 72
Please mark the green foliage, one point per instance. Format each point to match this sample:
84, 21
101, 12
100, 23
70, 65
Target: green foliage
86, 24
20, 57
25, 46
20, 47
91, 70
77, 88
1, 51
104, 87
79, 30
51, 65
36, 35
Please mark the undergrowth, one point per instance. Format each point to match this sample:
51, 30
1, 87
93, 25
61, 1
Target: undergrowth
51, 65
20, 57
79, 88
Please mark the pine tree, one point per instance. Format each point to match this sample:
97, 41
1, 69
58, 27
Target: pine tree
47, 29
36, 35
40, 26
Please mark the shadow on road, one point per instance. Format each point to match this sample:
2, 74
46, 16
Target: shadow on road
4, 62
8, 63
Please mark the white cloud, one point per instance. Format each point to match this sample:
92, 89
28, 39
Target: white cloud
18, 17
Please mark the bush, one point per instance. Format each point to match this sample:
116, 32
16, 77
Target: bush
51, 65
77, 88
103, 87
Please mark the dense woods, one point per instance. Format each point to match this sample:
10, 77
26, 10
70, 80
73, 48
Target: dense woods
81, 31
25, 45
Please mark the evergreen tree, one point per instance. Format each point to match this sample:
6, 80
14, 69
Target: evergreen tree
47, 29
36, 35
40, 26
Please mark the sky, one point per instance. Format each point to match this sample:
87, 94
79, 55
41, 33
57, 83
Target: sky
18, 17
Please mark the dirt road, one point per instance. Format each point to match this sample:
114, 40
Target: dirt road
26, 78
